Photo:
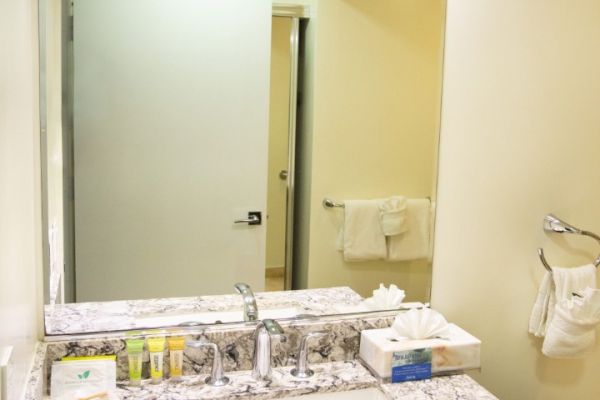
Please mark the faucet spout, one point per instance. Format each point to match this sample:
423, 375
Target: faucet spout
250, 307
302, 369
217, 377
261, 360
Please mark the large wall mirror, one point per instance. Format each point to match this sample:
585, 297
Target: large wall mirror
190, 145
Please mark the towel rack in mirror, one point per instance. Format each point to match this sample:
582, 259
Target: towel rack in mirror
328, 203
554, 224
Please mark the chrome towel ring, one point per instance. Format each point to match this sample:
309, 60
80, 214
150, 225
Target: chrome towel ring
554, 224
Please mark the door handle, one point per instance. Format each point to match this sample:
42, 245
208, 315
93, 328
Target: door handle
254, 218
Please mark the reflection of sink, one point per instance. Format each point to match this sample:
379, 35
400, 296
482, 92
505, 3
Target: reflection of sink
210, 317
361, 394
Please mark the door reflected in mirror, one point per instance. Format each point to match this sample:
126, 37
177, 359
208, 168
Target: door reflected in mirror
173, 127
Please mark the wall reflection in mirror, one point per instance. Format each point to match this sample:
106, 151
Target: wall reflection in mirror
189, 146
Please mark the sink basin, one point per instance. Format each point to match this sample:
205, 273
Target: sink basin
360, 394
160, 320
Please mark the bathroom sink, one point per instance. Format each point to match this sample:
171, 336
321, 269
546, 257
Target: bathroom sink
210, 317
360, 394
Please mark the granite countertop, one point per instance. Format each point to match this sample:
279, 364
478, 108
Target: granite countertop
333, 374
454, 387
328, 378
111, 316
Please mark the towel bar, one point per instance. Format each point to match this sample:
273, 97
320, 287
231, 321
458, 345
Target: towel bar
554, 224
328, 203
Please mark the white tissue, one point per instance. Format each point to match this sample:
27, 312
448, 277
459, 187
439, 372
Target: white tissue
424, 323
384, 298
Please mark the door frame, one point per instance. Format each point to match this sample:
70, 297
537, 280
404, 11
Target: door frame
295, 12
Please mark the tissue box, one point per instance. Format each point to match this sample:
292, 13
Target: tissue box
460, 352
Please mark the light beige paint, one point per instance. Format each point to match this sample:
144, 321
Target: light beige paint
278, 140
20, 227
520, 138
377, 82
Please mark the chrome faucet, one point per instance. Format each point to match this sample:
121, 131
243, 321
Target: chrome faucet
261, 360
302, 370
250, 308
217, 377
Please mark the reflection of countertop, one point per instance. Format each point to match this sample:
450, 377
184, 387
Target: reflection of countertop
110, 316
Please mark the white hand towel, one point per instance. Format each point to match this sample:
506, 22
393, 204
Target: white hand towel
557, 287
572, 330
569, 280
414, 243
363, 238
539, 313
393, 215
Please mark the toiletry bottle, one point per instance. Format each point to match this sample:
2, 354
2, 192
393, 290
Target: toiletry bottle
156, 347
176, 347
135, 351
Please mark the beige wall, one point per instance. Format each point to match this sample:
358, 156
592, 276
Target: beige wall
20, 234
279, 106
520, 138
377, 78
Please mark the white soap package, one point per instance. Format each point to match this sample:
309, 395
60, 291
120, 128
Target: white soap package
86, 379
457, 352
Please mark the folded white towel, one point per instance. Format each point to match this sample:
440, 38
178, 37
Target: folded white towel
393, 215
363, 237
539, 313
557, 287
414, 243
572, 331
569, 280
587, 305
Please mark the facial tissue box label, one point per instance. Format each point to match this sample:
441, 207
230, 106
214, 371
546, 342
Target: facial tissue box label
411, 365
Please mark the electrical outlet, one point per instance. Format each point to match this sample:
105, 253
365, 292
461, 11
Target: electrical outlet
5, 372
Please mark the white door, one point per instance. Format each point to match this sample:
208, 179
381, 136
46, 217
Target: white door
171, 104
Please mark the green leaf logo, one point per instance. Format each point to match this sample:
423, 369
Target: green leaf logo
83, 376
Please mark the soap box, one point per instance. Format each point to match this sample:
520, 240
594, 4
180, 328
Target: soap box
458, 353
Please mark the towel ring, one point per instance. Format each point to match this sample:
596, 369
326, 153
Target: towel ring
554, 224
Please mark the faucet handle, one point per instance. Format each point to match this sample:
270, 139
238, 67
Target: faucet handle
217, 377
302, 369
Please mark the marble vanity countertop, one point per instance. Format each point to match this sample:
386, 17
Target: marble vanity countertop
328, 378
454, 387
110, 316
